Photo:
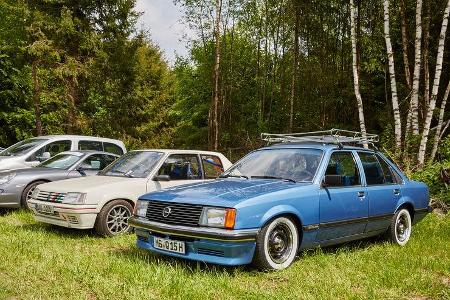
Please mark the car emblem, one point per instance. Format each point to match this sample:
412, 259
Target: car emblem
166, 211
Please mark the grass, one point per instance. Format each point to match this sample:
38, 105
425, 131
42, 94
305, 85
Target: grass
42, 261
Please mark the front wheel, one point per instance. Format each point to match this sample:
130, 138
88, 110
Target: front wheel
276, 245
113, 218
400, 229
28, 191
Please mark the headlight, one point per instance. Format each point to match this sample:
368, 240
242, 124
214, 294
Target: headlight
7, 178
74, 198
218, 217
140, 209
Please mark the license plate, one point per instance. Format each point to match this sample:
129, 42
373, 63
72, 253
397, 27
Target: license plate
45, 209
169, 245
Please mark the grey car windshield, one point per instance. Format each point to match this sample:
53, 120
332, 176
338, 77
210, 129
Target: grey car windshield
137, 164
61, 161
299, 165
22, 147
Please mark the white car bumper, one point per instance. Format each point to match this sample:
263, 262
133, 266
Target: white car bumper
71, 216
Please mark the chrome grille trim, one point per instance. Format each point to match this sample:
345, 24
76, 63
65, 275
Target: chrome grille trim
51, 196
181, 214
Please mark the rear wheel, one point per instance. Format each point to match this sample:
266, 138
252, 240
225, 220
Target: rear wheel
276, 245
28, 191
113, 218
400, 229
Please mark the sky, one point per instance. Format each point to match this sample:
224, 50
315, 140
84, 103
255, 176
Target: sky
163, 19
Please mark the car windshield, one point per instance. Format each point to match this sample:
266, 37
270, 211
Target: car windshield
135, 164
297, 165
61, 161
22, 147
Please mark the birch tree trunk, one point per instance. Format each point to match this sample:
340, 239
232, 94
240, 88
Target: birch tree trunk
362, 123
426, 54
438, 135
36, 98
215, 113
435, 90
413, 115
294, 65
390, 54
405, 44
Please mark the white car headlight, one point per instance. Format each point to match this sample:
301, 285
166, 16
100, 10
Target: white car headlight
140, 209
74, 198
218, 217
7, 178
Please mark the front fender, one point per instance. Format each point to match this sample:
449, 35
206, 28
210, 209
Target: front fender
280, 210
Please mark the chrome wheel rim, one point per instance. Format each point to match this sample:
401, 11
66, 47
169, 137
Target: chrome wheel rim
403, 227
28, 196
117, 220
280, 243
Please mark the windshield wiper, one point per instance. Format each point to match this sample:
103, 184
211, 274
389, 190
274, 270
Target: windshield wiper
229, 175
274, 177
126, 174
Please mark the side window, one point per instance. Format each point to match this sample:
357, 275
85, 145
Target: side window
53, 148
112, 148
181, 167
212, 166
93, 162
90, 145
109, 159
343, 164
390, 175
372, 168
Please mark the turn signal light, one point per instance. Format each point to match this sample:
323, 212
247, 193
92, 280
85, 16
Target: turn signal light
230, 218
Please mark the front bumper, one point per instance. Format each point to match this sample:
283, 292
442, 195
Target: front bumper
217, 246
65, 215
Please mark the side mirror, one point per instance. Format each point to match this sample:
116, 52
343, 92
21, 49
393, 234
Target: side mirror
161, 178
332, 181
44, 156
81, 171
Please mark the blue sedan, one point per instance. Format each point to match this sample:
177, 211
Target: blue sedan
280, 199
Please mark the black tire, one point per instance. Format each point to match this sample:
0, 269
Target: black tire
276, 245
28, 191
400, 228
113, 218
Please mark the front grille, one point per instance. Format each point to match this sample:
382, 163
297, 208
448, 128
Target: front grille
181, 214
210, 252
50, 196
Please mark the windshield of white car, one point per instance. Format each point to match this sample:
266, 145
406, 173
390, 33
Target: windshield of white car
135, 164
22, 147
61, 161
294, 165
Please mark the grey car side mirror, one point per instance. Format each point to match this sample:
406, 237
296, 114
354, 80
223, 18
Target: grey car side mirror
44, 156
161, 178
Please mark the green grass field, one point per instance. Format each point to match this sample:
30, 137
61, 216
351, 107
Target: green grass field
40, 261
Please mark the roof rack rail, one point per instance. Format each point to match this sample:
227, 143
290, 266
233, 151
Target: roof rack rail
332, 136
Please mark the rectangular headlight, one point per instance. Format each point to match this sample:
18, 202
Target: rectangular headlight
218, 217
74, 198
140, 209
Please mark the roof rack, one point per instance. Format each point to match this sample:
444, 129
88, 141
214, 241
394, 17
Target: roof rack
332, 136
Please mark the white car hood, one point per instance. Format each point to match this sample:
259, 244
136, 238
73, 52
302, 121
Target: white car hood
91, 183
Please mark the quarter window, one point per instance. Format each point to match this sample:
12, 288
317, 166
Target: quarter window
343, 164
212, 166
181, 167
372, 168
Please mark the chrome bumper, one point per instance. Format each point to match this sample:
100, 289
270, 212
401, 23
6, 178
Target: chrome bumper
241, 235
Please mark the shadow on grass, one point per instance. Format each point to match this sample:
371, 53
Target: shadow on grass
60, 231
5, 211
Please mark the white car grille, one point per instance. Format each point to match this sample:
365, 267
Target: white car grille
51, 196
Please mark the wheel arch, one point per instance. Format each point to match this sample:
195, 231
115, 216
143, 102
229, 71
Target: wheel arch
409, 206
284, 211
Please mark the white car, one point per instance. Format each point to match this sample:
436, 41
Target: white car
31, 152
106, 201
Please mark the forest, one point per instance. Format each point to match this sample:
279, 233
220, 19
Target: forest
85, 67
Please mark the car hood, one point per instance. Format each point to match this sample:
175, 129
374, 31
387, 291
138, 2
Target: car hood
90, 183
222, 192
35, 171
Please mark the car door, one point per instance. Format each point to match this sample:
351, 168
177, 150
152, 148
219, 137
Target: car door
383, 190
181, 169
343, 207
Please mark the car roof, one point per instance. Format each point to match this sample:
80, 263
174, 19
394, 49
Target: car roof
182, 151
69, 136
312, 145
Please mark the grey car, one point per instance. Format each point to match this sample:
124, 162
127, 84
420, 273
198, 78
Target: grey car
17, 186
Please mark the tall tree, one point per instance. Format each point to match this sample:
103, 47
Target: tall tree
404, 31
435, 90
362, 124
214, 114
390, 55
439, 130
295, 61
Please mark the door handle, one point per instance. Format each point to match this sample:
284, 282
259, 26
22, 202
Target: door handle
396, 192
361, 194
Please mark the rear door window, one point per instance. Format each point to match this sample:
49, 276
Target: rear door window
212, 166
390, 175
372, 168
112, 148
181, 167
90, 145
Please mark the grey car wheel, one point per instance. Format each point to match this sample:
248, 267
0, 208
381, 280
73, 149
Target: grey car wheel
28, 191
